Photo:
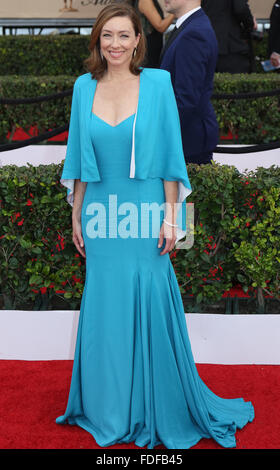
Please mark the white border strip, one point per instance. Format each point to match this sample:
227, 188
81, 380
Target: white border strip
48, 154
215, 339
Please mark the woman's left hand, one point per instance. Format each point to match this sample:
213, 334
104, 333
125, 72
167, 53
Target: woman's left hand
169, 234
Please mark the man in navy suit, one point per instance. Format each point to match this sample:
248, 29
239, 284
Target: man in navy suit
190, 55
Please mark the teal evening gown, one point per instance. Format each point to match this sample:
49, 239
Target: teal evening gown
134, 378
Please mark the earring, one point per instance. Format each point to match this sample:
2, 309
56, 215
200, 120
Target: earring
134, 52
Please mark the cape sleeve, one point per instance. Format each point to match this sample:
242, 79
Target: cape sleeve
171, 164
72, 163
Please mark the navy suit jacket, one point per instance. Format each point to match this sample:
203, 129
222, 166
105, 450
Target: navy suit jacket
191, 58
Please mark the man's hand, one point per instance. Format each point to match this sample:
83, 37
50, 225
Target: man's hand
275, 59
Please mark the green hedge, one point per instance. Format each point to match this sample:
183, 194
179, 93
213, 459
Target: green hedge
250, 121
60, 54
236, 238
46, 115
43, 55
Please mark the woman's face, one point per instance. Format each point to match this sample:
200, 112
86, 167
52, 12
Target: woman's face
118, 40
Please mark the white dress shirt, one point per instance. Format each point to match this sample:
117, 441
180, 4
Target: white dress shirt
185, 16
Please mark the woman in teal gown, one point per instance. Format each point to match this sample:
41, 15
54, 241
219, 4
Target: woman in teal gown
134, 376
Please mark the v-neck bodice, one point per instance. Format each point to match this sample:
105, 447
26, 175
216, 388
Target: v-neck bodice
124, 120
112, 146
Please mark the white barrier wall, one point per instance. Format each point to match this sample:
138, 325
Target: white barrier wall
215, 339
46, 154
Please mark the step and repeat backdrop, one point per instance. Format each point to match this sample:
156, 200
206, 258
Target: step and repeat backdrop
87, 8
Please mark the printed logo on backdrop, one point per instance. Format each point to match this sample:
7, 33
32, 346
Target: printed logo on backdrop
68, 6
29, 9
95, 2
64, 9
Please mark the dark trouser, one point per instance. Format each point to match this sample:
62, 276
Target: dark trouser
154, 46
200, 159
234, 63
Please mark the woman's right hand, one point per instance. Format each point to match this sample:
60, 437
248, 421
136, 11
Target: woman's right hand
77, 236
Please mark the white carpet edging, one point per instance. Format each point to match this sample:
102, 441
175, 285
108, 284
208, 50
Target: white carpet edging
49, 154
215, 339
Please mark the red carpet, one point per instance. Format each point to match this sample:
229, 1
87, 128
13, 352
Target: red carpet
33, 394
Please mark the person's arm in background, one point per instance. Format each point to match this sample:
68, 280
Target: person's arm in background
242, 12
147, 8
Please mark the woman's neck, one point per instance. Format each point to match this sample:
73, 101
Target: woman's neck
117, 74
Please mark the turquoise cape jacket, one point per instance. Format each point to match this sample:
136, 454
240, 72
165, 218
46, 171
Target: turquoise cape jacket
157, 150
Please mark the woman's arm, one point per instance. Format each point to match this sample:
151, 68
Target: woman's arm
147, 8
171, 195
79, 191
170, 215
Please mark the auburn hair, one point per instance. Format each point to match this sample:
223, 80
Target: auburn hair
94, 63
